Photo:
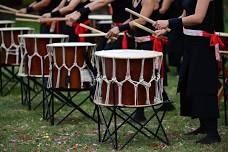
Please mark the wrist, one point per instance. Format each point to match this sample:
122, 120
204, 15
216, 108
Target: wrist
56, 14
124, 27
85, 11
175, 23
29, 9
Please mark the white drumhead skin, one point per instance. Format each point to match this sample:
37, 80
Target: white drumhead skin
15, 28
70, 44
6, 22
43, 36
128, 54
100, 17
105, 22
222, 34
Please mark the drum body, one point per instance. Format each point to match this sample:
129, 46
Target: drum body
10, 46
35, 61
6, 23
128, 78
69, 69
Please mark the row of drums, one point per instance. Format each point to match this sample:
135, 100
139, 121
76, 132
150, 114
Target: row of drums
124, 77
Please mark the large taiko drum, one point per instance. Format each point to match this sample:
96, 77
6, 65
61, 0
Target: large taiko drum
35, 60
6, 23
69, 69
128, 78
10, 46
224, 37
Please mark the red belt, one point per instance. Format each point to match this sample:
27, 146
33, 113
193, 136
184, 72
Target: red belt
214, 39
80, 30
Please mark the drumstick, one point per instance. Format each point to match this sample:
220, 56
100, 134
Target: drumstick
53, 19
8, 8
145, 18
7, 12
52, 28
95, 34
27, 20
28, 15
144, 28
90, 28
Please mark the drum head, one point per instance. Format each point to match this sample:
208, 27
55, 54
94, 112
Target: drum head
71, 44
100, 17
128, 54
6, 22
43, 36
15, 28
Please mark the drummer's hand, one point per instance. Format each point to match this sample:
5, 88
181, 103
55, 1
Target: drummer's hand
160, 32
113, 32
46, 15
161, 24
73, 16
23, 10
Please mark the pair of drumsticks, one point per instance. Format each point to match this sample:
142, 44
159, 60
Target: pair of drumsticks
36, 18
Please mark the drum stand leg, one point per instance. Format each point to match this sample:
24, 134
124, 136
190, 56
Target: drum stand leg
29, 94
225, 89
11, 79
1, 81
140, 127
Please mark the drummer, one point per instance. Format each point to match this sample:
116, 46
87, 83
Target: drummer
41, 6
64, 8
119, 16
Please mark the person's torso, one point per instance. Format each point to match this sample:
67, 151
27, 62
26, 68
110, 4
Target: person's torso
119, 14
154, 16
175, 10
208, 22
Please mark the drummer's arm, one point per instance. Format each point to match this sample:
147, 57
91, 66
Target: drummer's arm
165, 6
38, 6
65, 9
96, 5
61, 5
147, 10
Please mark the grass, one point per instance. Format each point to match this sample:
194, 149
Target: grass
25, 131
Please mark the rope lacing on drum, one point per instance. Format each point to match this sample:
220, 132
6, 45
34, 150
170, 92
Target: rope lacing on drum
69, 69
13, 49
103, 78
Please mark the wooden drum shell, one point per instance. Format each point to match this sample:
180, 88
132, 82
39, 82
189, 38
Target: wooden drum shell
8, 37
130, 74
74, 58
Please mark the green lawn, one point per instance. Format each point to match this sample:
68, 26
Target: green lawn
25, 131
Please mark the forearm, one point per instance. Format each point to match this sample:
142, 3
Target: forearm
41, 5
96, 5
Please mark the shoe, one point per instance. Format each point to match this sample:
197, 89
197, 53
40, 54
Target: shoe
137, 118
209, 140
196, 131
167, 107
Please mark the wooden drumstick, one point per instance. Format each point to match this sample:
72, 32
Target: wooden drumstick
7, 12
90, 28
28, 15
8, 8
53, 26
95, 34
144, 28
53, 19
27, 20
145, 18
